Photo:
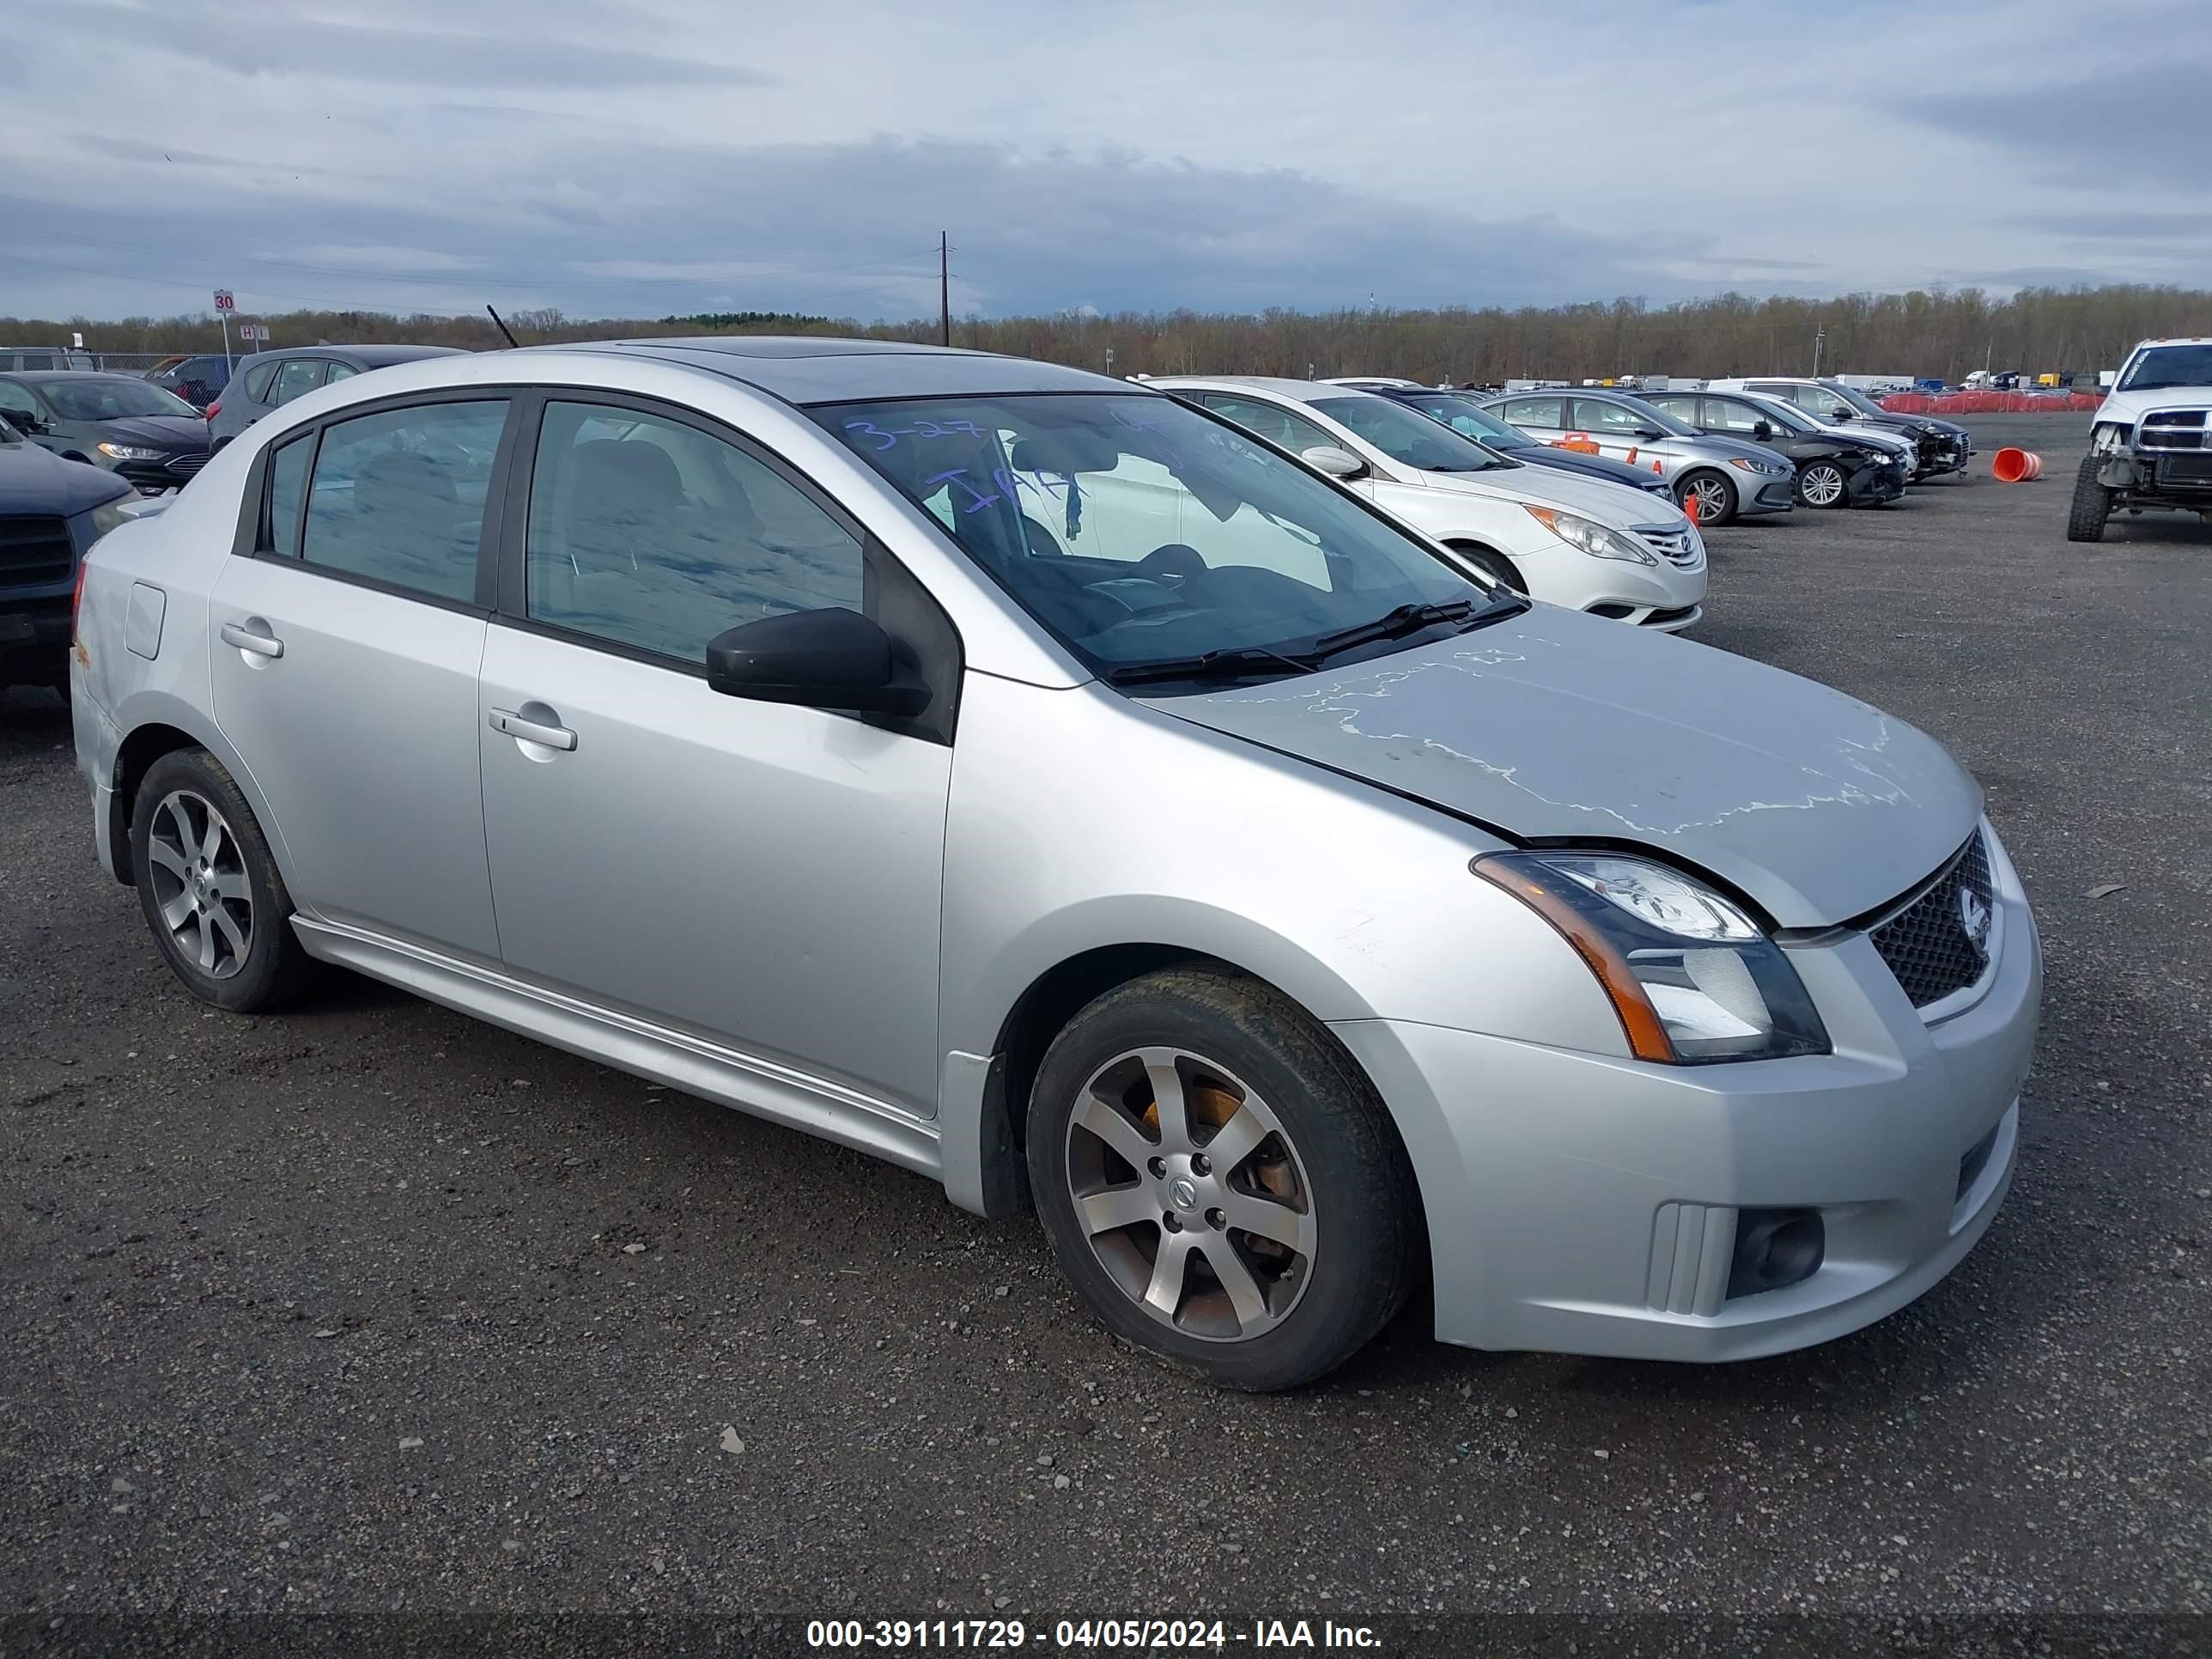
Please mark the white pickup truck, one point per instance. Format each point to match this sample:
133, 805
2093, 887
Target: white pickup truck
2150, 441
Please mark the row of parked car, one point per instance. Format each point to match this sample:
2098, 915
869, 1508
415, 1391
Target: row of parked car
1590, 498
1553, 492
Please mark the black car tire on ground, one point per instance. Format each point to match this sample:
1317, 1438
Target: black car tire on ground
2091, 505
1823, 478
1710, 486
274, 966
1367, 1222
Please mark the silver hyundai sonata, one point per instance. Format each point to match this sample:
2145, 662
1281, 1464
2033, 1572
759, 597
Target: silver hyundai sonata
1043, 785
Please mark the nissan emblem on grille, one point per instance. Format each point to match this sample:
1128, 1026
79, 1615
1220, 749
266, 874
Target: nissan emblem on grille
1939, 943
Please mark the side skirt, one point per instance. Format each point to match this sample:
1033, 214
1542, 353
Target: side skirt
763, 1088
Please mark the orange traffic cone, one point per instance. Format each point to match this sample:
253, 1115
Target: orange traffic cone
2017, 466
1690, 506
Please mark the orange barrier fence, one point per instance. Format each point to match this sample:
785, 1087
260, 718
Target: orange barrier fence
1990, 403
2010, 466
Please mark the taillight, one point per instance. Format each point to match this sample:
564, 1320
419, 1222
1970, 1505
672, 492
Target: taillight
214, 410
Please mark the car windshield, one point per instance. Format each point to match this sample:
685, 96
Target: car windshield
111, 397
2162, 367
1407, 435
1471, 419
1143, 532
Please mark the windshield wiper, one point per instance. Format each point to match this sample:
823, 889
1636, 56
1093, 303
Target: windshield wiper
1405, 619
1230, 662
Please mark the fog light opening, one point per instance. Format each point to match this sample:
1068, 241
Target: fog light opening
1776, 1249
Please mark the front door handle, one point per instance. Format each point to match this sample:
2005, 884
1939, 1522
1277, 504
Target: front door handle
529, 731
247, 637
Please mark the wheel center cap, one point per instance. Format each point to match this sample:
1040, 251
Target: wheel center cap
1184, 1191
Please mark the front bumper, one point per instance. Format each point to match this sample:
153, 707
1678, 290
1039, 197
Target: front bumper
1944, 453
34, 636
1757, 493
170, 472
1584, 1204
1874, 484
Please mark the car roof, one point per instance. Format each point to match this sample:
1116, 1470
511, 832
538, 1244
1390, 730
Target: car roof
369, 355
38, 376
1303, 392
819, 369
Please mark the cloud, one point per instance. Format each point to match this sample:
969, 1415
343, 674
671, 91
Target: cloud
397, 56
2118, 128
609, 157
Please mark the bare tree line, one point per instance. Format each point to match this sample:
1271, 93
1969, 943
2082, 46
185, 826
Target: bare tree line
1943, 332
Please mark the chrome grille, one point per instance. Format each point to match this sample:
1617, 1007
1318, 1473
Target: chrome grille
1926, 944
1679, 548
2172, 429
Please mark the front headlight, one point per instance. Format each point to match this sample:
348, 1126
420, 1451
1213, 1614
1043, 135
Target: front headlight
130, 453
1592, 538
1764, 469
108, 515
1692, 978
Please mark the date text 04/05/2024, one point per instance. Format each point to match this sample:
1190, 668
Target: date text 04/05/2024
1085, 1634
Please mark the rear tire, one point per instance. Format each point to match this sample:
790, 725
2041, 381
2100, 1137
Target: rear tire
209, 888
1715, 497
1263, 1267
2091, 505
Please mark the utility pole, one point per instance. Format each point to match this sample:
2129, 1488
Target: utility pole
943, 288
1819, 339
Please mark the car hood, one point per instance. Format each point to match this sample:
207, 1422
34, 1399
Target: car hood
1590, 466
1618, 506
2132, 406
34, 480
170, 432
1553, 726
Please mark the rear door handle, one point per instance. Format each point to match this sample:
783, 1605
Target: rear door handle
260, 642
513, 725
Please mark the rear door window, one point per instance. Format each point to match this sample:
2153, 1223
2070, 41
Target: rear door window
398, 497
300, 375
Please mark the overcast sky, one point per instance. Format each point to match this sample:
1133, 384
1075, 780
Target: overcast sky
642, 157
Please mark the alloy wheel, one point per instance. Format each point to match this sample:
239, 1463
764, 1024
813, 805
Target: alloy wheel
1190, 1195
200, 883
1822, 485
1712, 497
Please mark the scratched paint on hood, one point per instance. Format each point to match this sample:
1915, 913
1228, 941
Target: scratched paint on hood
1554, 725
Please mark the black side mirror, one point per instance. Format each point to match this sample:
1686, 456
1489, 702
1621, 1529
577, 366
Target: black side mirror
1649, 435
1762, 431
828, 659
23, 421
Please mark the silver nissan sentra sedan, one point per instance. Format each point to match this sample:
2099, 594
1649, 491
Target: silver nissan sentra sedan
1043, 785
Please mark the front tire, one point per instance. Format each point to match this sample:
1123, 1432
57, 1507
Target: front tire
210, 891
1493, 563
2091, 505
1716, 495
1221, 1180
1821, 483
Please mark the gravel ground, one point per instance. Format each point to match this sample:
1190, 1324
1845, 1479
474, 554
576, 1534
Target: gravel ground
371, 1310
